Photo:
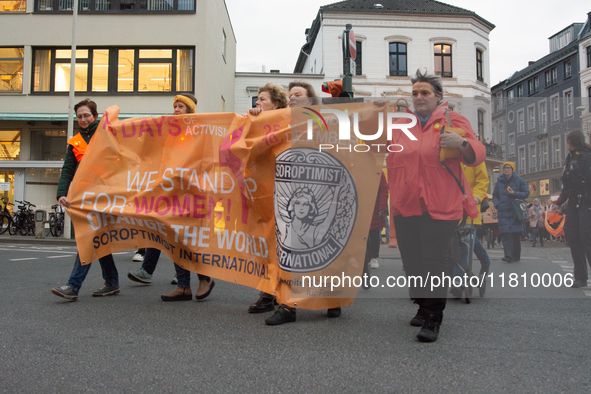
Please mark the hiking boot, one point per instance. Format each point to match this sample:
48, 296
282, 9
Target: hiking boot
205, 287
106, 290
263, 304
333, 312
66, 292
178, 294
282, 315
140, 275
430, 329
373, 264
418, 320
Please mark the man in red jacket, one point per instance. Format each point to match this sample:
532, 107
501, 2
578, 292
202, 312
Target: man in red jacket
429, 195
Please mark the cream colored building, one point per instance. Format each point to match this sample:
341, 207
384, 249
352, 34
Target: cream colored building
134, 54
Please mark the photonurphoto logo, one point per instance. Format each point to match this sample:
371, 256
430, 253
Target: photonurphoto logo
315, 209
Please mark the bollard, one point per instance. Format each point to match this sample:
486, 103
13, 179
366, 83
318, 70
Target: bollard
40, 224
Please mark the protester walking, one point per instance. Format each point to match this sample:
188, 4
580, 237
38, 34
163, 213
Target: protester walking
510, 187
576, 181
87, 116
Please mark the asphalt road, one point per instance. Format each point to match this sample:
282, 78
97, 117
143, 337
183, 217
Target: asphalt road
519, 341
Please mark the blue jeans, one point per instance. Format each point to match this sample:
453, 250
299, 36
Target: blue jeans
183, 276
387, 229
110, 274
534, 235
477, 248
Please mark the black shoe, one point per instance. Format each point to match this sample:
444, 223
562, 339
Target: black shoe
263, 304
66, 292
418, 320
578, 284
282, 315
430, 330
333, 312
507, 259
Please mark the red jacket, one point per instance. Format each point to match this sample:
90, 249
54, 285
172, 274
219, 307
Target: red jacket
381, 205
420, 183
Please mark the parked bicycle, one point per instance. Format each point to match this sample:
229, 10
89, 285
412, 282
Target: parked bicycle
56, 221
5, 216
23, 220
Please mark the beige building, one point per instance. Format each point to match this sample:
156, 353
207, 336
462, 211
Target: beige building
134, 54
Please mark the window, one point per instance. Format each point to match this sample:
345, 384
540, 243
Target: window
479, 65
531, 117
398, 59
358, 69
536, 83
543, 116
48, 145
544, 155
520, 91
510, 95
501, 134
224, 44
114, 70
532, 160
11, 69
568, 103
511, 144
568, 69
253, 101
481, 125
555, 109
520, 121
554, 75
556, 161
548, 78
533, 85
10, 144
13, 6
443, 60
521, 157
589, 56
116, 6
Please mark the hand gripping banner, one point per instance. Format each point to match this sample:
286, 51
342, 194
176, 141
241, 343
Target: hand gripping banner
249, 200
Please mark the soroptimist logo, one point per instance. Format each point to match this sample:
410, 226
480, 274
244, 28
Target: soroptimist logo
315, 209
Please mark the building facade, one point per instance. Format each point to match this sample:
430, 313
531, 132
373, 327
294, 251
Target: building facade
585, 74
134, 54
542, 105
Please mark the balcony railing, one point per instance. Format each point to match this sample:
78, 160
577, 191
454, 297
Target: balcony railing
543, 130
494, 151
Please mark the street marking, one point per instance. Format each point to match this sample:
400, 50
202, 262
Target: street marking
559, 261
57, 257
28, 258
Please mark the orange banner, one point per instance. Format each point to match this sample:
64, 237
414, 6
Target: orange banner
242, 199
555, 223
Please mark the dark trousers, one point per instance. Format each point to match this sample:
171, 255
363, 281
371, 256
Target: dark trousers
512, 245
373, 243
184, 276
577, 228
424, 245
535, 231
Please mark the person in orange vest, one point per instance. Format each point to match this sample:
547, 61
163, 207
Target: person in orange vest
87, 115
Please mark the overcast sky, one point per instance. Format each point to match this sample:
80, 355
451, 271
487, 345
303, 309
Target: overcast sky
271, 32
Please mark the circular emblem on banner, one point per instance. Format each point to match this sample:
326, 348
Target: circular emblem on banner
315, 209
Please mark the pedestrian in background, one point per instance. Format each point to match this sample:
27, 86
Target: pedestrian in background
509, 186
537, 215
576, 181
87, 116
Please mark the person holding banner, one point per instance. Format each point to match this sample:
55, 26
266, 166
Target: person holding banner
87, 116
510, 186
576, 180
429, 195
183, 104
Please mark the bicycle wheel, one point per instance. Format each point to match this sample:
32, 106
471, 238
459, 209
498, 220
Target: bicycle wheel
4, 223
52, 225
31, 228
59, 230
12, 228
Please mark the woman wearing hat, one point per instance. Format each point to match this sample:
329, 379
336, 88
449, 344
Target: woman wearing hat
509, 186
183, 104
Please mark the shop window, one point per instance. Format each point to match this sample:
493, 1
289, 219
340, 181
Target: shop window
48, 145
11, 69
13, 6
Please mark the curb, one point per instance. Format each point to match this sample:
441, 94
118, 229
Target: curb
20, 239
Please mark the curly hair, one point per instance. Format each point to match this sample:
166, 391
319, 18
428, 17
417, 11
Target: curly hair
277, 93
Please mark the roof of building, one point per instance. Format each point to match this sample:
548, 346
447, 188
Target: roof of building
402, 7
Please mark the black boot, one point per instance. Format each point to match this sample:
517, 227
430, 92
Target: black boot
282, 315
418, 320
263, 304
430, 330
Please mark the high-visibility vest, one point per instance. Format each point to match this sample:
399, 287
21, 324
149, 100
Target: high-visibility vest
78, 145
